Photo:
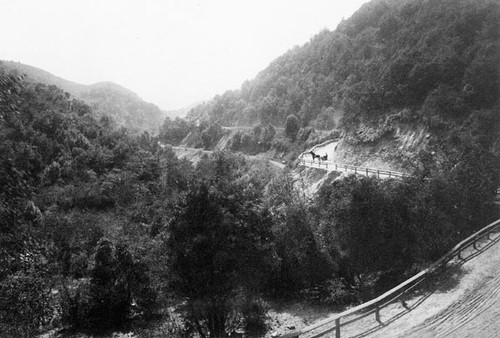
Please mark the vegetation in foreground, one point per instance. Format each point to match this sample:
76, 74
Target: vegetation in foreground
102, 231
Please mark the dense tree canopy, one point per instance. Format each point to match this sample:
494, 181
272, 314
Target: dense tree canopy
105, 229
435, 57
220, 245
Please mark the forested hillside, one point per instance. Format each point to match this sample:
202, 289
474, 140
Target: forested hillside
432, 64
95, 223
106, 98
123, 106
104, 230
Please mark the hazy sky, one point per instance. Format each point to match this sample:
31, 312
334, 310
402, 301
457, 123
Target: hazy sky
170, 52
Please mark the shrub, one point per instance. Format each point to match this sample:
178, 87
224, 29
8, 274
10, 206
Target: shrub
281, 144
292, 127
76, 304
117, 291
173, 326
254, 312
24, 306
78, 265
337, 292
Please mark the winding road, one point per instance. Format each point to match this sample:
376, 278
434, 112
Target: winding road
190, 153
463, 300
328, 149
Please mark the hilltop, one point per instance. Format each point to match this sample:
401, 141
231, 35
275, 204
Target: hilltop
105, 98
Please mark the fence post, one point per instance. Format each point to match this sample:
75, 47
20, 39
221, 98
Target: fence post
378, 173
337, 328
355, 170
389, 174
377, 314
366, 172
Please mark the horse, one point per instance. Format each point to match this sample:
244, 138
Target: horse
324, 158
314, 156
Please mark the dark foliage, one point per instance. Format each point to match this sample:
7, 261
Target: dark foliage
118, 290
207, 236
370, 226
292, 127
219, 244
390, 55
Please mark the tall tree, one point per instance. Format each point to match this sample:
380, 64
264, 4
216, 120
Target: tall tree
219, 243
292, 126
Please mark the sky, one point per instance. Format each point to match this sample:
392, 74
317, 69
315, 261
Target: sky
172, 53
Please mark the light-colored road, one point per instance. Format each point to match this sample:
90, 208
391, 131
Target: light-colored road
327, 150
476, 314
350, 169
193, 154
463, 301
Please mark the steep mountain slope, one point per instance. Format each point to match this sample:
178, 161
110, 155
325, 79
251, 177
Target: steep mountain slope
106, 98
124, 106
394, 66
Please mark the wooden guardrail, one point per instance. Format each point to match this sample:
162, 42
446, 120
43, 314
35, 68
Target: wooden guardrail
375, 305
329, 165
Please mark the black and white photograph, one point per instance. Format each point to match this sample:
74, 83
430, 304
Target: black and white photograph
250, 169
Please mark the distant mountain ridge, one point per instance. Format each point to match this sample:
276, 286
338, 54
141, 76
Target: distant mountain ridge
181, 112
35, 74
105, 98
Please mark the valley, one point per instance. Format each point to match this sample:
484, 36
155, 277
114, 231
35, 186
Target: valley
325, 197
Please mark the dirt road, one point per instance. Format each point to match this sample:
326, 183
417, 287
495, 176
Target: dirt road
194, 155
463, 301
476, 313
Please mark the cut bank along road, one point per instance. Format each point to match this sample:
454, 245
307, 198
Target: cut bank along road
327, 150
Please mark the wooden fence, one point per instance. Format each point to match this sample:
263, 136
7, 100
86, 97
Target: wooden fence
335, 323
329, 165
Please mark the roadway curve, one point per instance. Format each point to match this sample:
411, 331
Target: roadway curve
327, 149
463, 301
193, 154
471, 308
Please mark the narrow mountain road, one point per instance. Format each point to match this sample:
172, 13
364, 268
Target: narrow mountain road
331, 166
193, 154
462, 301
325, 160
470, 308
475, 314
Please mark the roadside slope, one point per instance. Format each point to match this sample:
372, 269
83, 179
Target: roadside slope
463, 301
